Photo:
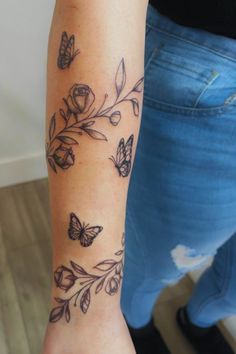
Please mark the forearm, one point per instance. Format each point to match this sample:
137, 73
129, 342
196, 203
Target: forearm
93, 108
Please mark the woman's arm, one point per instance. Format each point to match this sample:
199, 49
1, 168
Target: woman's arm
94, 103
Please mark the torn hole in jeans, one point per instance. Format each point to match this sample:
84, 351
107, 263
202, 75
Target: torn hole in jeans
186, 258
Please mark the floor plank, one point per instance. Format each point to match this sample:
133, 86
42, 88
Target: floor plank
13, 337
165, 310
32, 279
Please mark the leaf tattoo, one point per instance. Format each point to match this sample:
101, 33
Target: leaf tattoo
123, 158
52, 126
67, 51
79, 114
85, 300
120, 78
109, 280
81, 232
57, 313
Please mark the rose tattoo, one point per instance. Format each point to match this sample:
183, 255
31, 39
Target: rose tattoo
64, 278
64, 157
79, 116
80, 99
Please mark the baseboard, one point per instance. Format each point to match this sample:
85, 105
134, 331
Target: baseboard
23, 169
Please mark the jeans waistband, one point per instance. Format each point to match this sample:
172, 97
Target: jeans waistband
221, 45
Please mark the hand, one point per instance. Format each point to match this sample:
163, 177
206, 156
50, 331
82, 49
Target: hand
100, 333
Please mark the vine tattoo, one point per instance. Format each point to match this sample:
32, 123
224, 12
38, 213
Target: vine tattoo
123, 156
67, 51
79, 116
66, 278
82, 232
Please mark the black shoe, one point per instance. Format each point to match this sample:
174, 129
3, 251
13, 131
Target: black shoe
204, 340
148, 340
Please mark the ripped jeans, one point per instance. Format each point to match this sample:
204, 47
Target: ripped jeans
182, 197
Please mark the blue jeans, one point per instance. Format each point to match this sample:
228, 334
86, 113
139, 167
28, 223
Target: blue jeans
182, 198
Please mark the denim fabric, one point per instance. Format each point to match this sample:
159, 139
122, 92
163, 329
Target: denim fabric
182, 197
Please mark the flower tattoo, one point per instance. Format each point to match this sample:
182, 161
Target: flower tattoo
79, 116
80, 99
64, 157
64, 278
109, 280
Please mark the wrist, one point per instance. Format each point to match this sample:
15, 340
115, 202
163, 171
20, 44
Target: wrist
104, 332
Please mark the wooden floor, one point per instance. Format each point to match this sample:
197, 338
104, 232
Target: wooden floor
25, 264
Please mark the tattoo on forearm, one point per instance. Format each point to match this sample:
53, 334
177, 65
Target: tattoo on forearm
68, 278
80, 116
82, 232
67, 51
123, 158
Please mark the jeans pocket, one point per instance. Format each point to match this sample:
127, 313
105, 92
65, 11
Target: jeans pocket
177, 83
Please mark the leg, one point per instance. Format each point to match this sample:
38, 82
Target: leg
177, 214
183, 190
215, 293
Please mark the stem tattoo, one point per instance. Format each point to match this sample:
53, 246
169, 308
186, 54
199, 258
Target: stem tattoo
68, 278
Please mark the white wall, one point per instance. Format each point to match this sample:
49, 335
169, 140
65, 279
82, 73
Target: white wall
24, 27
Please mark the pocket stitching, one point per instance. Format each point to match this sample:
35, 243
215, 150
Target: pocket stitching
215, 75
203, 112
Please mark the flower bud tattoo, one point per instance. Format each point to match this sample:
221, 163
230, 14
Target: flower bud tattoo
64, 157
64, 278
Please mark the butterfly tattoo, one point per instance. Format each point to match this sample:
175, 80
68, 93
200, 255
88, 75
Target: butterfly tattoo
124, 156
67, 51
82, 232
